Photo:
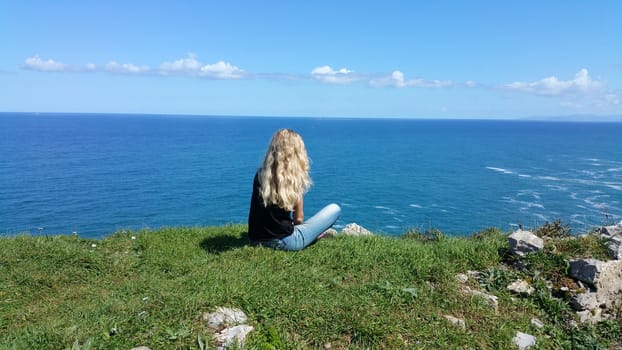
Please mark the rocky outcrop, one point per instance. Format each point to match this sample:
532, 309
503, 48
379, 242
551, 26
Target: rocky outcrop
524, 242
604, 288
613, 235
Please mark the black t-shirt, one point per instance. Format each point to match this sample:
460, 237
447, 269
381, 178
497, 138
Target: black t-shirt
266, 223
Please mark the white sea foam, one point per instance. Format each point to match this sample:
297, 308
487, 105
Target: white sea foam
611, 170
614, 185
500, 170
524, 205
523, 175
549, 178
557, 187
416, 206
530, 193
541, 217
574, 219
592, 202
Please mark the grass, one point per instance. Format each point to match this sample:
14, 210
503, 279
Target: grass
151, 288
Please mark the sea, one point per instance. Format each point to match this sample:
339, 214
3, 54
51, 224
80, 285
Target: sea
95, 174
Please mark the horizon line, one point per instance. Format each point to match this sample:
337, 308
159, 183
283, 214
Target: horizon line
550, 118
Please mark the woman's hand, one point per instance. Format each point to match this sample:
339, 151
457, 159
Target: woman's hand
299, 214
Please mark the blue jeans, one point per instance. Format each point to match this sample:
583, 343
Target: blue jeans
307, 232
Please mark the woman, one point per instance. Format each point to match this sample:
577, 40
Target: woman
276, 216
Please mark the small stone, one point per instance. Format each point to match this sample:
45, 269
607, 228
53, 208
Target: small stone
234, 335
536, 322
456, 321
474, 274
520, 287
224, 317
524, 340
462, 277
492, 300
328, 346
331, 232
354, 229
141, 348
524, 242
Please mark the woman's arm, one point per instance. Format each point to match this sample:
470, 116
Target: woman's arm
299, 214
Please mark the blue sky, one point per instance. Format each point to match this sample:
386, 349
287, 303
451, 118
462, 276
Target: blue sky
421, 59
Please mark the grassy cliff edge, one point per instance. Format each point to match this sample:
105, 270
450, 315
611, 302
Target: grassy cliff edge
151, 287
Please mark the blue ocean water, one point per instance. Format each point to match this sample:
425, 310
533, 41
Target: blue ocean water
95, 174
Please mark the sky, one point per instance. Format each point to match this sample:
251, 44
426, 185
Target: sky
407, 59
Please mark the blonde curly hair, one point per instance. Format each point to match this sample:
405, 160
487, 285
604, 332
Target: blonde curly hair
284, 174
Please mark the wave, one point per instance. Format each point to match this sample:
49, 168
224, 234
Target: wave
500, 170
525, 205
415, 206
614, 185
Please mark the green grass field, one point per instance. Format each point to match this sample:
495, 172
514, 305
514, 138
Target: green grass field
151, 287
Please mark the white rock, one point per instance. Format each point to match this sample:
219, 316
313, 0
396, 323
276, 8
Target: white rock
606, 275
613, 230
492, 300
456, 321
584, 301
520, 287
524, 340
590, 316
524, 242
474, 274
614, 247
233, 336
141, 348
462, 277
225, 317
536, 322
354, 229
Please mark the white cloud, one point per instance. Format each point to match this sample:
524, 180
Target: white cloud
552, 86
397, 80
38, 64
125, 68
221, 70
328, 75
189, 65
